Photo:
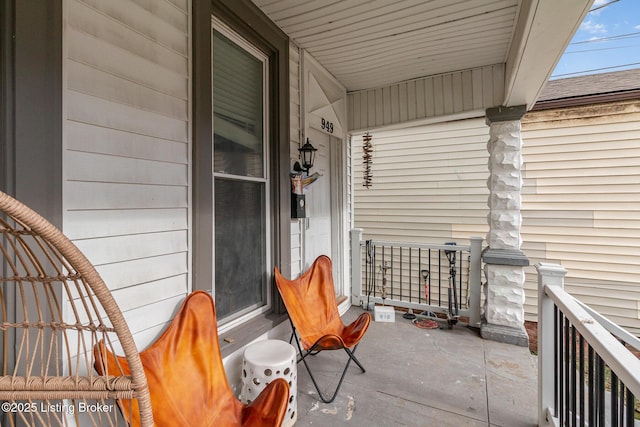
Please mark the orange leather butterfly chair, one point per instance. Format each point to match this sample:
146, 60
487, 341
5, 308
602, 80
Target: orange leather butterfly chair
313, 311
187, 381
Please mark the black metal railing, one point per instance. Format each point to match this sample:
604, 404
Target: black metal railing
587, 376
438, 278
586, 391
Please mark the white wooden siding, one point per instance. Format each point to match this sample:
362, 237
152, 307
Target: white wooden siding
446, 94
579, 200
429, 183
127, 150
581, 203
349, 180
295, 135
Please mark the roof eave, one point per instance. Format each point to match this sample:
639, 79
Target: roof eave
540, 39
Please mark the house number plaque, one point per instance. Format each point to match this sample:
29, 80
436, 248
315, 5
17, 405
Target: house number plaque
326, 125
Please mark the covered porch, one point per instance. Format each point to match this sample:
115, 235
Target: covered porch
357, 65
374, 67
420, 377
584, 371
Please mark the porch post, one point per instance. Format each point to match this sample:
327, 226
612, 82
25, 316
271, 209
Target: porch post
548, 275
504, 261
356, 266
475, 279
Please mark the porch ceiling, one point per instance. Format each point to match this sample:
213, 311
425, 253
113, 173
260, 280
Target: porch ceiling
374, 43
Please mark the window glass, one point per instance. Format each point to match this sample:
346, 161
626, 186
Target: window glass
240, 246
240, 183
237, 109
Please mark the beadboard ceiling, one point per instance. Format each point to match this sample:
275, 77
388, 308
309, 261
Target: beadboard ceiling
373, 43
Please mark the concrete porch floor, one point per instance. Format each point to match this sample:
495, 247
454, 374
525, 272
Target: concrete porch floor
418, 377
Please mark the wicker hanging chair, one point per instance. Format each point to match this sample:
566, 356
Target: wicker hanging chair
55, 308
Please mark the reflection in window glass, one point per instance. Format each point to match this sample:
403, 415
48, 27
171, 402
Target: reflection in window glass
237, 109
240, 246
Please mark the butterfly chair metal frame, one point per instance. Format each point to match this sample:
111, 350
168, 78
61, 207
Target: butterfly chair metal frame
54, 307
316, 324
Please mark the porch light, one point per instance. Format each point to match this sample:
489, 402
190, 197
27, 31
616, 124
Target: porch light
308, 153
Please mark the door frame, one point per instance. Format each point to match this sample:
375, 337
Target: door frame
330, 105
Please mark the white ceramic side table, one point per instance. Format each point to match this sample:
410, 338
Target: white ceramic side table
263, 362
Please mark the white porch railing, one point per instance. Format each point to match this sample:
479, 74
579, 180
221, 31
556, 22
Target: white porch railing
417, 276
586, 376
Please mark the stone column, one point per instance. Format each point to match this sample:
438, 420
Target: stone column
504, 261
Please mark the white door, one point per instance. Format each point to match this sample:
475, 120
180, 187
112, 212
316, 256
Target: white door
318, 201
321, 223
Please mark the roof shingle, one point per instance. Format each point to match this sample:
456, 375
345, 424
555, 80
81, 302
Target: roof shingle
594, 84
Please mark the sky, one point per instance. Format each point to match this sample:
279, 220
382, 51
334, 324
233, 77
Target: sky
608, 40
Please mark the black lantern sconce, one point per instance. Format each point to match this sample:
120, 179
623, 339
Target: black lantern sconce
307, 153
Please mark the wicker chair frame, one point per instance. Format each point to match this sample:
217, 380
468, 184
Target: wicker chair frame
54, 308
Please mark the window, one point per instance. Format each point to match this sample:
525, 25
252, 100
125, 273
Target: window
241, 255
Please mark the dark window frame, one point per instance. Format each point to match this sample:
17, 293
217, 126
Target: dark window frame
31, 115
31, 97
246, 19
